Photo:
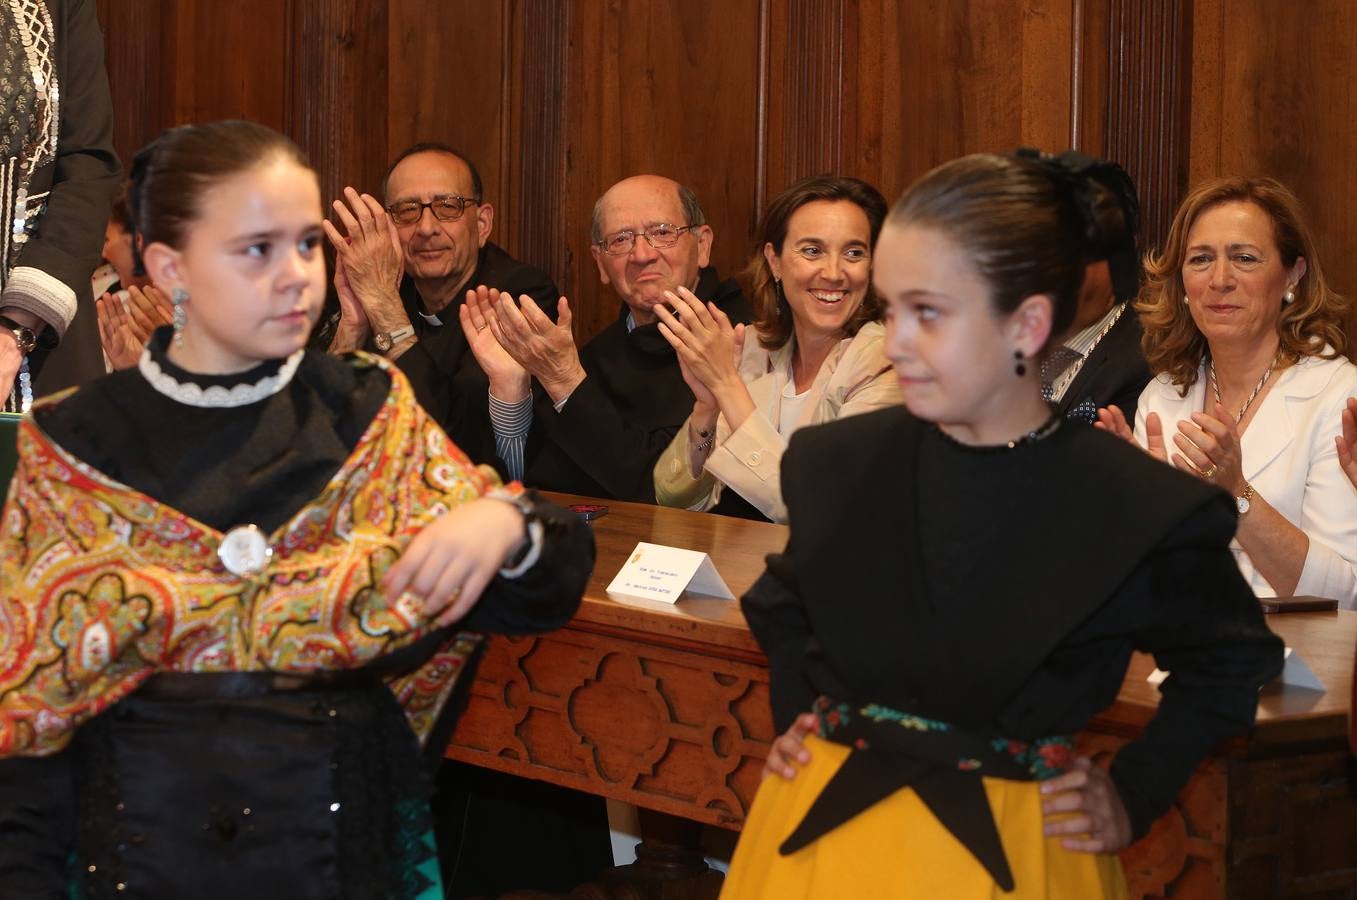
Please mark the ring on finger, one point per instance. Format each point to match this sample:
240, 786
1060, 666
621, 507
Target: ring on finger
451, 599
1210, 471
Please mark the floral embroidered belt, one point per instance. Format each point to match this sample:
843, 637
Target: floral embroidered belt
942, 763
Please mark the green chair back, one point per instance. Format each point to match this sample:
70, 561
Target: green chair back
9, 450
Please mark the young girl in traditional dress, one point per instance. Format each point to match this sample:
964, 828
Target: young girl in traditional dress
229, 577
965, 582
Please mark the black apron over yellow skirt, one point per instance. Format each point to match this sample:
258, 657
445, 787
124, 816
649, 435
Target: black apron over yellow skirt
897, 848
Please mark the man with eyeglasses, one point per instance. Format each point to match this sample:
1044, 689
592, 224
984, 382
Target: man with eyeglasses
604, 413
402, 272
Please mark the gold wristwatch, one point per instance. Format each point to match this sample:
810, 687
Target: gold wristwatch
1245, 500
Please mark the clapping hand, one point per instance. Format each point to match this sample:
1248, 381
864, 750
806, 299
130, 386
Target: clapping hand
116, 333
1209, 446
708, 346
147, 309
124, 329
353, 328
1111, 420
509, 381
1347, 441
546, 349
370, 254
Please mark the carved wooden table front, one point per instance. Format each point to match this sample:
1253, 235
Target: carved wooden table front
666, 707
662, 707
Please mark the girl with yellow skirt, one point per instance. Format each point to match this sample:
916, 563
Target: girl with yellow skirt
966, 579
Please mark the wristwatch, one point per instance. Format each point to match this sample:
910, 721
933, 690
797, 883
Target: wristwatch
1244, 500
23, 335
529, 551
384, 341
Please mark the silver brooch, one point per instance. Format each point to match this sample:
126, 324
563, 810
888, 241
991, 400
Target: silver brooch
244, 550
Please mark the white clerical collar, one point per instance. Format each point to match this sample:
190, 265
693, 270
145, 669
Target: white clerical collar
432, 320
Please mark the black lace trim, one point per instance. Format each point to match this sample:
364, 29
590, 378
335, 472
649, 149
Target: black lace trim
385, 824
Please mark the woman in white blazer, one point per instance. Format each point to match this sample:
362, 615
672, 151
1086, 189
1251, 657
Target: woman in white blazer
816, 354
1247, 342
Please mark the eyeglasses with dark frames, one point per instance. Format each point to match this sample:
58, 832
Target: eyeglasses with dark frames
659, 236
445, 208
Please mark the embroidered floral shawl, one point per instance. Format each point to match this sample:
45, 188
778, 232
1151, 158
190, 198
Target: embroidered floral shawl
101, 586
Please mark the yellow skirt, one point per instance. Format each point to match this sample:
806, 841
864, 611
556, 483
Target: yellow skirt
897, 849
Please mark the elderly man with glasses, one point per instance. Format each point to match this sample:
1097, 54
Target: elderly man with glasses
402, 272
603, 414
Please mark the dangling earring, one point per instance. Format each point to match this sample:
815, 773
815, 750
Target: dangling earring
781, 297
178, 298
1021, 367
1288, 298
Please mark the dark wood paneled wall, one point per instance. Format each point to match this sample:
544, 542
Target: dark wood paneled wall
1273, 93
557, 99
1146, 102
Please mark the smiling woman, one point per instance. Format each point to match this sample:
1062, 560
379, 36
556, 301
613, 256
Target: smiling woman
817, 355
245, 576
1247, 342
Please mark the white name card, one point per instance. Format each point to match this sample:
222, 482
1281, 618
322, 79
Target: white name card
658, 573
1295, 673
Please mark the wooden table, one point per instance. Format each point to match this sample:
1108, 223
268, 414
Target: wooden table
1273, 814
662, 707
667, 708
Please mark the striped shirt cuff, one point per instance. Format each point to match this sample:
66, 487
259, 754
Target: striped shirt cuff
511, 422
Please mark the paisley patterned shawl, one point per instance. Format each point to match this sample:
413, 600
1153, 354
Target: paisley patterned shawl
101, 586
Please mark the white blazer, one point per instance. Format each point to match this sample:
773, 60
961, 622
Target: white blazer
1290, 459
856, 378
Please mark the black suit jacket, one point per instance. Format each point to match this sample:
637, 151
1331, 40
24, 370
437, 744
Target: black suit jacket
448, 381
606, 440
82, 180
1113, 375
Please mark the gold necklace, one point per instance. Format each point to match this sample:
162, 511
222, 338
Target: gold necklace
1215, 383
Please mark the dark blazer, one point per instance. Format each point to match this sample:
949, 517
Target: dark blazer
448, 381
606, 440
1113, 375
82, 179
